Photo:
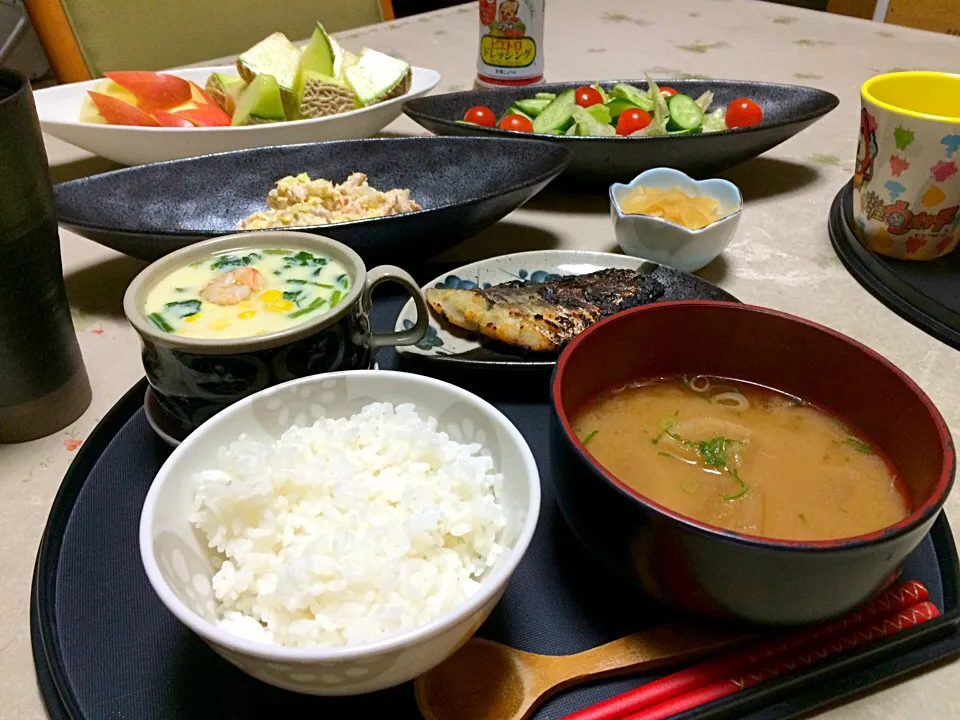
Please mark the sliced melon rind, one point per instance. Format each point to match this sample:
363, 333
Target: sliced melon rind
274, 55
377, 76
261, 102
225, 90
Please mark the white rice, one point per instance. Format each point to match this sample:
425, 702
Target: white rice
350, 530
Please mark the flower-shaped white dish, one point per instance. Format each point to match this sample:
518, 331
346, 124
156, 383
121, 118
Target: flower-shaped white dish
180, 566
665, 242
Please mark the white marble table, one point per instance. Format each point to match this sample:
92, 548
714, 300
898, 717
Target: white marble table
781, 257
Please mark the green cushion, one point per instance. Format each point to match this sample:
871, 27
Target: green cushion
158, 34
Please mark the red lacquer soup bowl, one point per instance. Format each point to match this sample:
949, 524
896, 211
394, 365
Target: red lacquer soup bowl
724, 574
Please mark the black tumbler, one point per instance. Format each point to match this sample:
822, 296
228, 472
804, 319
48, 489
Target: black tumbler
43, 383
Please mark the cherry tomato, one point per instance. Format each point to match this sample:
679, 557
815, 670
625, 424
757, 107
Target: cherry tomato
667, 91
516, 122
743, 112
587, 96
481, 115
632, 120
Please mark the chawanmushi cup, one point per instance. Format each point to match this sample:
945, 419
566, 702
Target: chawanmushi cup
195, 378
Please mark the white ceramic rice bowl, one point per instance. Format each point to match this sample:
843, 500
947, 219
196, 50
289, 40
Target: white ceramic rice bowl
179, 566
59, 107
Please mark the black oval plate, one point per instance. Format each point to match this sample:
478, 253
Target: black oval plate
105, 647
600, 161
464, 186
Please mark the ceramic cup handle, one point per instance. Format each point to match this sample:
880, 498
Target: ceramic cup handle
391, 273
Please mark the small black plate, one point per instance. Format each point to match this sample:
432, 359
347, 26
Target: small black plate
600, 161
463, 186
925, 293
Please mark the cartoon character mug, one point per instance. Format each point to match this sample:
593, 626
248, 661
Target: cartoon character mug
907, 180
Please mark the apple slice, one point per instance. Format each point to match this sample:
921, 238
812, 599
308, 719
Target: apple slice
154, 91
201, 96
169, 119
118, 112
109, 87
206, 116
89, 112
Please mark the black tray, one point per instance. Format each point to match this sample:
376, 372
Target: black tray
925, 293
105, 647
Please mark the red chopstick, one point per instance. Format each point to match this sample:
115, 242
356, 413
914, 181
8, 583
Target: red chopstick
705, 673
864, 635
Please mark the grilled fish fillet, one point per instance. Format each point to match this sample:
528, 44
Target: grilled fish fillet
543, 317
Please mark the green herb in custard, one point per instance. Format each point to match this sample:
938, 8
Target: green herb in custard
183, 308
225, 262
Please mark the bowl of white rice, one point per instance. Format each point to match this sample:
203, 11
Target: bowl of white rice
341, 533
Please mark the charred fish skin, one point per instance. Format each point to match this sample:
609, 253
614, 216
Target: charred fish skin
605, 292
543, 317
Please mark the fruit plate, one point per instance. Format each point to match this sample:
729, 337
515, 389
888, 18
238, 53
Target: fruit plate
446, 344
59, 108
600, 161
463, 184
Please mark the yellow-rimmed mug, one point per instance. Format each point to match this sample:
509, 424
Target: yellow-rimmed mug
907, 179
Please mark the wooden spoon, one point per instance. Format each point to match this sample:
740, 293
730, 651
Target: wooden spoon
485, 680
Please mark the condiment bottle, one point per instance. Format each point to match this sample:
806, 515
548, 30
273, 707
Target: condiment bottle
511, 43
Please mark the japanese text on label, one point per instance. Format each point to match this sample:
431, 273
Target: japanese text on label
507, 52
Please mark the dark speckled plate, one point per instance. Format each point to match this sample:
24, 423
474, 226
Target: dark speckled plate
457, 349
463, 184
600, 161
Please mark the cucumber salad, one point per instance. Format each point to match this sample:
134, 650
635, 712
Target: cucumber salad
624, 110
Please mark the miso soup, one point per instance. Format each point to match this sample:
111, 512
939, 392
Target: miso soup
742, 457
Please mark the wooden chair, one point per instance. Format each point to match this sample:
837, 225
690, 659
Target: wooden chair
84, 38
936, 15
854, 8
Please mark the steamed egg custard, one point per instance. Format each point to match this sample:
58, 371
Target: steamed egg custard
248, 293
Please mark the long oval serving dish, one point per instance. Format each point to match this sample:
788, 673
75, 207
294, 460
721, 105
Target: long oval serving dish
59, 110
463, 186
602, 160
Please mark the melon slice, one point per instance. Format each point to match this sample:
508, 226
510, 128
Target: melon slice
225, 90
343, 60
274, 55
260, 103
376, 77
319, 87
322, 97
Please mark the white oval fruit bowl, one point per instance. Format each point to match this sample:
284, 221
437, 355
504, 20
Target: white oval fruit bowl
59, 109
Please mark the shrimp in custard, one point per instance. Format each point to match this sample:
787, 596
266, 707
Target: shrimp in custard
233, 287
